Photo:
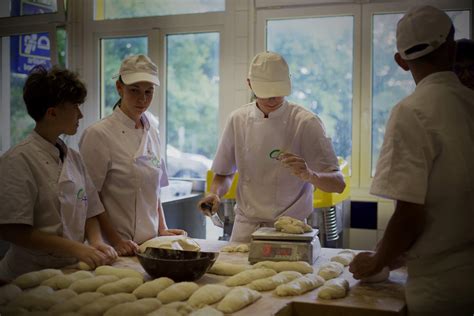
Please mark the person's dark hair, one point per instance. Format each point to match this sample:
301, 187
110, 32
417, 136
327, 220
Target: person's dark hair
48, 88
119, 101
464, 50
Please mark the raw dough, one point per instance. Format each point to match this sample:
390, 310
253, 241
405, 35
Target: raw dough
63, 281
92, 284
334, 288
225, 268
379, 277
140, 307
177, 292
125, 285
171, 242
279, 266
118, 272
75, 303
84, 266
300, 285
8, 292
235, 248
102, 304
12, 311
245, 277
270, 283
173, 309
208, 295
237, 299
41, 301
207, 311
32, 279
344, 257
331, 270
152, 288
291, 225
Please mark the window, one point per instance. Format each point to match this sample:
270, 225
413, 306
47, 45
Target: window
390, 83
12, 8
321, 64
113, 51
192, 102
115, 9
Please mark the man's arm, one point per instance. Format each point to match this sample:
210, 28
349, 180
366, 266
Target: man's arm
219, 187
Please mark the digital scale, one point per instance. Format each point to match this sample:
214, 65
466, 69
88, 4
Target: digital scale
269, 244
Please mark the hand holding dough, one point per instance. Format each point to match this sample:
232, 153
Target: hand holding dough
379, 277
152, 288
225, 268
32, 279
208, 295
334, 288
101, 305
300, 285
125, 285
118, 272
331, 270
207, 311
247, 276
270, 283
237, 299
279, 266
140, 307
177, 292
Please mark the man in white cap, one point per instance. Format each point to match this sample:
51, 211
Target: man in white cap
267, 128
426, 166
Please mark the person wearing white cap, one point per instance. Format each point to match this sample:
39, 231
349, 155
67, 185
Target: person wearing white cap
267, 128
123, 154
49, 205
425, 165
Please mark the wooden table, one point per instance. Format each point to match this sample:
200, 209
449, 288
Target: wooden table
386, 298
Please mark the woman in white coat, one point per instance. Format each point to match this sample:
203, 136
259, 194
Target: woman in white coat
267, 187
123, 154
48, 202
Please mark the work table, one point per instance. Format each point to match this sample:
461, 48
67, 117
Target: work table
386, 298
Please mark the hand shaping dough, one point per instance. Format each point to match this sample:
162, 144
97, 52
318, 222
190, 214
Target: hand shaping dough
334, 288
237, 299
75, 303
37, 301
344, 257
270, 283
279, 266
224, 268
171, 242
84, 266
35, 278
177, 292
235, 248
173, 309
140, 307
300, 285
331, 270
379, 277
245, 277
63, 281
125, 285
118, 272
92, 284
291, 225
101, 305
8, 292
208, 295
152, 288
207, 311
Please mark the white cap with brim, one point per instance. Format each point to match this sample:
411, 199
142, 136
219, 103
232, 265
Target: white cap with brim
138, 68
269, 75
424, 26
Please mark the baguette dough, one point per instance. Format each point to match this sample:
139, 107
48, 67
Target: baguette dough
331, 270
334, 288
270, 283
118, 272
92, 284
41, 301
125, 285
237, 299
8, 292
247, 276
173, 309
152, 288
177, 292
207, 311
300, 285
225, 268
344, 257
32, 279
63, 281
171, 242
208, 295
102, 304
235, 248
75, 303
279, 266
291, 225
140, 307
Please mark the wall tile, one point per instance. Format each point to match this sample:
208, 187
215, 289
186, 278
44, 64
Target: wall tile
385, 211
362, 239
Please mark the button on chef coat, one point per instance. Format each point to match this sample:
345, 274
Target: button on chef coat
266, 189
127, 167
427, 158
40, 190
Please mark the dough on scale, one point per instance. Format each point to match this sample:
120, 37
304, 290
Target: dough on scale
291, 225
300, 285
334, 288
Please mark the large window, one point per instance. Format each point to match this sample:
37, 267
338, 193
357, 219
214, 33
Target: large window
321, 66
390, 83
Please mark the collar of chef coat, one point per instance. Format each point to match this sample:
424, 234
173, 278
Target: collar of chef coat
128, 122
48, 147
258, 114
437, 78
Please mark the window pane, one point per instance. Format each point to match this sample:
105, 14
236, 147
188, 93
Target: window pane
390, 83
23, 7
117, 9
61, 37
321, 65
192, 101
113, 51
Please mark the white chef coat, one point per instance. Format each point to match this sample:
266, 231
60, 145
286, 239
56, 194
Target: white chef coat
266, 189
127, 167
40, 190
427, 158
